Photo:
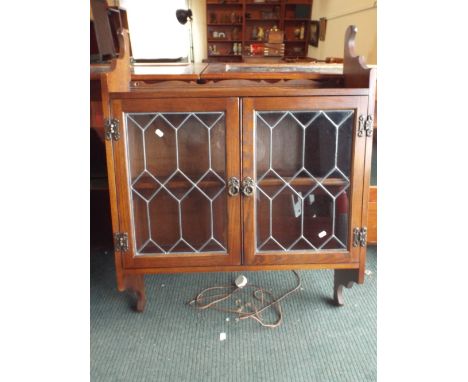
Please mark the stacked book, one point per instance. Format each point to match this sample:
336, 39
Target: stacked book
270, 49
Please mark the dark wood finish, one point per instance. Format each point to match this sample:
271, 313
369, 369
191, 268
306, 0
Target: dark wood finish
136, 284
102, 29
372, 205
372, 216
200, 89
356, 75
240, 268
344, 278
251, 91
117, 79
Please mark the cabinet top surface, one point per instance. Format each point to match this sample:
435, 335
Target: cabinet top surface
220, 71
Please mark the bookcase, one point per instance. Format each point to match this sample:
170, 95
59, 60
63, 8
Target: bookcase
239, 28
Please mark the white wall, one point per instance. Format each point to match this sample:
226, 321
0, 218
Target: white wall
341, 14
198, 8
154, 30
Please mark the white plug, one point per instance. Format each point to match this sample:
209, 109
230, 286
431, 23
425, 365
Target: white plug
241, 281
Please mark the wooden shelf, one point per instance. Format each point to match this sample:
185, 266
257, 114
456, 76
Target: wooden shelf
148, 183
224, 55
263, 20
303, 181
224, 24
296, 20
265, 3
221, 40
239, 4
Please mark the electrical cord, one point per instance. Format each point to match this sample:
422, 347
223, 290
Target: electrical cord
259, 294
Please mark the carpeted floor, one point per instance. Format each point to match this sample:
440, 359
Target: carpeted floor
171, 341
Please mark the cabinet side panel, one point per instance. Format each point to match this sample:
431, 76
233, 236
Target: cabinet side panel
112, 185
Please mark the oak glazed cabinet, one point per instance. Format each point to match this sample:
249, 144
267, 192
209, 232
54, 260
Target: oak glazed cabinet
239, 169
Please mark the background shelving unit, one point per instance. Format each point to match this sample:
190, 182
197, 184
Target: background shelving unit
224, 31
231, 26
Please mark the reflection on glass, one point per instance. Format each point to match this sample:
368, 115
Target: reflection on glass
177, 171
303, 167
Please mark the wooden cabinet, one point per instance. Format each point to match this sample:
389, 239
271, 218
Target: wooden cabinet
236, 25
229, 175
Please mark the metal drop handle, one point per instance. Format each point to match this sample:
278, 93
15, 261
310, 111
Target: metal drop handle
248, 185
233, 186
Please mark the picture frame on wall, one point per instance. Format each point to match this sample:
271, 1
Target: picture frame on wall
322, 28
314, 32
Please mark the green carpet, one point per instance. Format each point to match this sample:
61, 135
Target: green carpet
171, 341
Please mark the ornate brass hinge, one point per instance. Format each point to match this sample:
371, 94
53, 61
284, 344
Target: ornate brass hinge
369, 125
365, 124
360, 237
111, 129
121, 241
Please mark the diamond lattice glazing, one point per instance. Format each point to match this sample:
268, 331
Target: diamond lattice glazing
303, 165
176, 170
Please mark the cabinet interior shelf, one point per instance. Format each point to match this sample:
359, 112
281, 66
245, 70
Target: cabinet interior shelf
148, 183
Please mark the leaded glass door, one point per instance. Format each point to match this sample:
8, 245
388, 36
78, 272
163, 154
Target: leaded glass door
305, 166
173, 164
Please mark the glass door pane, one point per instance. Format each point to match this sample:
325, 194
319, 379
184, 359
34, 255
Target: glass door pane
177, 171
302, 167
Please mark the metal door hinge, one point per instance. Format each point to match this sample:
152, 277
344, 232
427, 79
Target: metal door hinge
121, 241
360, 237
365, 124
111, 128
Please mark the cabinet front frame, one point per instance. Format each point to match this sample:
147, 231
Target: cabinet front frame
228, 105
249, 107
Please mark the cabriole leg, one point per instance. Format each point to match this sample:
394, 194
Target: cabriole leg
136, 284
343, 278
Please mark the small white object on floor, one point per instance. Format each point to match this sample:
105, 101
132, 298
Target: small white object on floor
241, 281
368, 272
227, 319
222, 336
162, 285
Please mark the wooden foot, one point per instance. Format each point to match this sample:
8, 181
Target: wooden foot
136, 284
343, 278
